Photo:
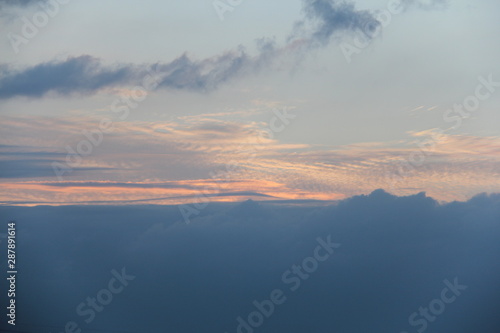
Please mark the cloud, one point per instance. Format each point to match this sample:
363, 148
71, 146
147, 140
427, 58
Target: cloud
173, 192
36, 167
19, 3
168, 185
395, 254
13, 9
22, 162
208, 151
83, 74
328, 17
242, 195
207, 74
87, 75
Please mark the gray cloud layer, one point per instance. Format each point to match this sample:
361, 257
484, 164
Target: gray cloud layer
395, 253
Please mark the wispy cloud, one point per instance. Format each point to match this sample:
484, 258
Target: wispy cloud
85, 74
168, 154
20, 3
324, 18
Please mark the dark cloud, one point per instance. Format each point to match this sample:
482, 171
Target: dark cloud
25, 168
82, 74
395, 254
20, 3
23, 162
184, 73
328, 17
86, 75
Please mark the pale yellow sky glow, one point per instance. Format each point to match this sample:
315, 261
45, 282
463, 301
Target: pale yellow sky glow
161, 163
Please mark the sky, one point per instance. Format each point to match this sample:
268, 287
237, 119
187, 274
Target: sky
163, 102
249, 166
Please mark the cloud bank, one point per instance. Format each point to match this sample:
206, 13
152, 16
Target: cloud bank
394, 254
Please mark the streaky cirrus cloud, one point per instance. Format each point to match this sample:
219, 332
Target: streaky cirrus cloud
202, 150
